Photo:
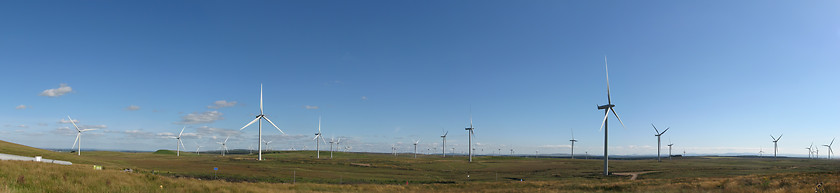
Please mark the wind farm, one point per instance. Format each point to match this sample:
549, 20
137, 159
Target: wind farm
385, 79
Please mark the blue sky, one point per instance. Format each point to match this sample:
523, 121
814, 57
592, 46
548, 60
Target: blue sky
723, 75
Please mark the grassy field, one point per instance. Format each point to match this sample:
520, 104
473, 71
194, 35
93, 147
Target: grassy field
366, 172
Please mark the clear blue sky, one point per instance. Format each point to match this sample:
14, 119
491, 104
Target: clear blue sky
723, 75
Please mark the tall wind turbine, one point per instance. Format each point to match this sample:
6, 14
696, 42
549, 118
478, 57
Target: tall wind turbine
607, 108
829, 148
809, 150
470, 135
333, 141
573, 140
267, 148
776, 144
669, 148
259, 125
78, 136
197, 147
179, 142
415, 147
317, 136
658, 141
224, 145
444, 143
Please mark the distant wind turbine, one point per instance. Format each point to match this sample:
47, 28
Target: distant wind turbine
607, 108
259, 125
179, 142
829, 148
659, 141
415, 147
809, 150
444, 143
317, 136
776, 144
669, 148
573, 140
78, 136
224, 145
471, 134
197, 147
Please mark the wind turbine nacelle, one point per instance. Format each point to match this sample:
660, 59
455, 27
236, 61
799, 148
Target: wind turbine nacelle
606, 106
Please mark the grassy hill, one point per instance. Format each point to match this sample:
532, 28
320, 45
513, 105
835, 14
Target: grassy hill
370, 172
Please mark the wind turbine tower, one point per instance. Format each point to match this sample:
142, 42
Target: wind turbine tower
470, 135
829, 148
78, 136
669, 149
776, 145
659, 141
444, 143
179, 143
259, 117
415, 147
607, 108
573, 140
317, 136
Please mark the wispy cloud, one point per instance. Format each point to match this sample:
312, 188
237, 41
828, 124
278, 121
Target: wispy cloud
22, 126
204, 117
132, 108
56, 92
212, 131
21, 107
364, 97
221, 104
310, 107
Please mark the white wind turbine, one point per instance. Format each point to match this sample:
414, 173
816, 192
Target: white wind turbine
829, 148
333, 141
573, 140
607, 108
444, 142
197, 147
179, 142
267, 148
809, 150
259, 125
224, 145
470, 135
78, 136
659, 142
317, 136
776, 144
669, 148
415, 147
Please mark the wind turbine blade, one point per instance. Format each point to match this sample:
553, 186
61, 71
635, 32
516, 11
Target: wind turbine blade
832, 141
666, 130
83, 130
774, 138
316, 138
275, 126
77, 140
780, 137
319, 124
616, 117
74, 123
325, 141
607, 69
228, 137
261, 100
654, 128
447, 132
249, 124
604, 121
182, 143
182, 131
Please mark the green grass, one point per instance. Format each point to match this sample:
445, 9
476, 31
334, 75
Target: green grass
368, 172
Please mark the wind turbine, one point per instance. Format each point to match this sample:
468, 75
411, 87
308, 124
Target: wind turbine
669, 148
607, 108
318, 135
267, 148
394, 150
444, 143
259, 125
78, 136
776, 144
179, 142
470, 135
659, 141
760, 152
415, 147
224, 145
809, 150
829, 148
197, 147
573, 140
333, 141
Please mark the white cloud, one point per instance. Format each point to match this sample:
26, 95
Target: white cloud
64, 131
132, 108
21, 107
64, 121
555, 146
212, 131
310, 107
205, 117
22, 126
221, 103
364, 97
56, 92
